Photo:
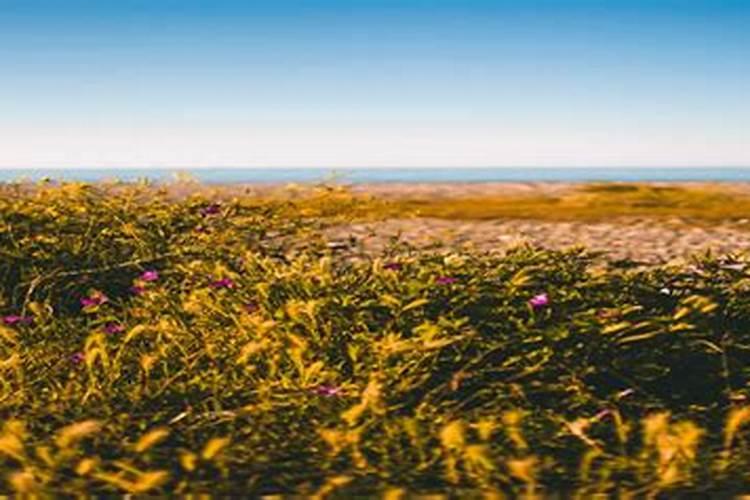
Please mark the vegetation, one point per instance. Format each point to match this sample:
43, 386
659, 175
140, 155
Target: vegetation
595, 202
155, 345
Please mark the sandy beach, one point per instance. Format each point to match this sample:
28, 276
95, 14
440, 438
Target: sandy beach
645, 240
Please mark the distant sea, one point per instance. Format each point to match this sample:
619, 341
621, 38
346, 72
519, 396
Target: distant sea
384, 175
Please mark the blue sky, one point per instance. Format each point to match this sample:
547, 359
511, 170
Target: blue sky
374, 83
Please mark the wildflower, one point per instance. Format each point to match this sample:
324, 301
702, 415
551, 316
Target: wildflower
136, 290
600, 415
327, 390
665, 291
113, 328
393, 266
222, 283
149, 275
625, 393
252, 307
445, 280
95, 299
77, 358
14, 319
539, 301
212, 209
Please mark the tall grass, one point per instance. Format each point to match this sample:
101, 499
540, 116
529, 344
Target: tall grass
153, 345
593, 202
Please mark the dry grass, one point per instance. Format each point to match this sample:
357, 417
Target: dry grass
592, 202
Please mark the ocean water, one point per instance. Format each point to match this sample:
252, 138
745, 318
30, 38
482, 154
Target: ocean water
385, 175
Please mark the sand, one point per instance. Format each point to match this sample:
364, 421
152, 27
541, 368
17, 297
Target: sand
643, 241
646, 241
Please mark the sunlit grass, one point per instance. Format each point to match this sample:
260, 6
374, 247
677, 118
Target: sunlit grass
592, 203
204, 344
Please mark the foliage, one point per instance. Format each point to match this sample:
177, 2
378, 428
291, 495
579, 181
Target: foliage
159, 345
701, 204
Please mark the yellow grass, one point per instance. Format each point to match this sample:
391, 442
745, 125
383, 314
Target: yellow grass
593, 202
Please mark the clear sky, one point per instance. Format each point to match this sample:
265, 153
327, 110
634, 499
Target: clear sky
374, 83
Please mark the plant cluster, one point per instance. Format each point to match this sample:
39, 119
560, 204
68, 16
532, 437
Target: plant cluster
152, 345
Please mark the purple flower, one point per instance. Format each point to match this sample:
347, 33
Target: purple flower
77, 358
113, 328
601, 415
625, 393
539, 301
136, 290
327, 390
149, 275
14, 319
222, 283
393, 266
95, 299
445, 280
252, 307
212, 209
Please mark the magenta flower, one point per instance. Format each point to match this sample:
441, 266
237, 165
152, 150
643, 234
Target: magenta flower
149, 275
445, 280
539, 301
95, 299
393, 266
212, 209
625, 393
327, 390
14, 319
136, 290
77, 358
222, 283
113, 328
601, 415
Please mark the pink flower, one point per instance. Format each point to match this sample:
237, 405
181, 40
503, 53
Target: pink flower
327, 390
77, 358
539, 301
222, 283
445, 280
393, 266
149, 275
13, 319
93, 300
212, 209
113, 328
601, 415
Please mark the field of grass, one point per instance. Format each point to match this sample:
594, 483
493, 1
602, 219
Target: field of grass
594, 202
152, 345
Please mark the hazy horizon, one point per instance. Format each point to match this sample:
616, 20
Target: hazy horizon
403, 84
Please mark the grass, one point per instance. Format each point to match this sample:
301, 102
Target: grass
154, 345
594, 202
